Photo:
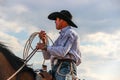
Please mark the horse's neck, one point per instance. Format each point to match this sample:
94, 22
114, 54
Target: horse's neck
6, 69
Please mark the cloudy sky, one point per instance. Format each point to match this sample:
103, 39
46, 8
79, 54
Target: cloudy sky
99, 31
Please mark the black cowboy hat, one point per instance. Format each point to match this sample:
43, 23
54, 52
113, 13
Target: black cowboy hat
65, 15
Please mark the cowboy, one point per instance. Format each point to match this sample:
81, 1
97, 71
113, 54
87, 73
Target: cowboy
65, 53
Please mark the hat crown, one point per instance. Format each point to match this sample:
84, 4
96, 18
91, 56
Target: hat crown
66, 13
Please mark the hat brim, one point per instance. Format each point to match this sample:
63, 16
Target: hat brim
54, 15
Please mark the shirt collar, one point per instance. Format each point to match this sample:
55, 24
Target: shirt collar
65, 29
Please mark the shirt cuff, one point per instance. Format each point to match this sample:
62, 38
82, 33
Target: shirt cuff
49, 48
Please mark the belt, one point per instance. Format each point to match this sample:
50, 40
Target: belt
66, 60
57, 61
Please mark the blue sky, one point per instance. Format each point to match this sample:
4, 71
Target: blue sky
99, 31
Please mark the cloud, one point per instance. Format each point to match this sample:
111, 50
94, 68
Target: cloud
19, 9
2, 2
100, 56
10, 26
105, 25
13, 9
31, 29
105, 5
98, 16
102, 44
54, 2
11, 41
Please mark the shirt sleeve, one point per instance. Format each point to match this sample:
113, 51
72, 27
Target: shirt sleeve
64, 48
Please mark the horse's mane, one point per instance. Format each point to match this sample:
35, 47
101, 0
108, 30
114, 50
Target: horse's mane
15, 61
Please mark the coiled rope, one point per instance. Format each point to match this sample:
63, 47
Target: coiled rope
28, 45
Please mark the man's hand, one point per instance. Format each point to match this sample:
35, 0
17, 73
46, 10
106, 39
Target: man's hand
40, 46
43, 36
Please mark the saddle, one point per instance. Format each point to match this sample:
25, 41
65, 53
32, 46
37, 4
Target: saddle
45, 75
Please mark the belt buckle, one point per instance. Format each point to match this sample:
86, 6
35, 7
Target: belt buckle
55, 61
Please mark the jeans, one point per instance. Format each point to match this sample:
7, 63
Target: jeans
65, 68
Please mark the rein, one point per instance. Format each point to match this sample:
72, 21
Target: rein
25, 62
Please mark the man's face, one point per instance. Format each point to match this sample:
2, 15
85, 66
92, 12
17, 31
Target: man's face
58, 23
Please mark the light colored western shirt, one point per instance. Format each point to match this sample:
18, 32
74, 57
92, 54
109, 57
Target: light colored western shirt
65, 47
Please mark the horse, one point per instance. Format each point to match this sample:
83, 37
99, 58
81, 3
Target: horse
10, 63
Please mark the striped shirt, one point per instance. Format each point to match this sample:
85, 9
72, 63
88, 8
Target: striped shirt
65, 47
